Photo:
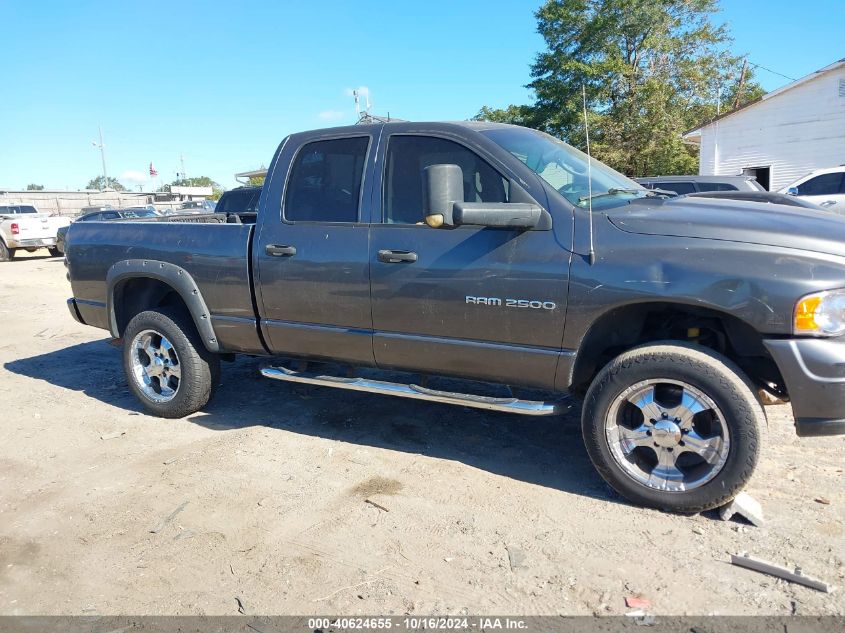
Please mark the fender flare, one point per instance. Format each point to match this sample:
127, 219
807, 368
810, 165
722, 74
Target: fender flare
174, 276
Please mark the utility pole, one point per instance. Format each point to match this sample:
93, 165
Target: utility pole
182, 162
101, 146
741, 83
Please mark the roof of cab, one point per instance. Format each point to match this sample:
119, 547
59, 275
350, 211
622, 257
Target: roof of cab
477, 126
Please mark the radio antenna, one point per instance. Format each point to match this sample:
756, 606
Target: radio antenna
592, 253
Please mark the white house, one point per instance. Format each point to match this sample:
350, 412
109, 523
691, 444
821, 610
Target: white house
781, 136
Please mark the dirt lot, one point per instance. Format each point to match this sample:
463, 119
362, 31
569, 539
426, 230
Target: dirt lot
483, 513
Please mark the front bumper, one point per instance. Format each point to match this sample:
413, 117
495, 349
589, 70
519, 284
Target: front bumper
814, 373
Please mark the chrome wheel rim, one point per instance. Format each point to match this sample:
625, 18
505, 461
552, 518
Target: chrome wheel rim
155, 366
667, 435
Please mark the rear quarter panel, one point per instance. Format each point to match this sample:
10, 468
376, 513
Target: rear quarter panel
216, 256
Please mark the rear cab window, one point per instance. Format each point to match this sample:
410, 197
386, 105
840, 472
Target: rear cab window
325, 180
17, 209
239, 202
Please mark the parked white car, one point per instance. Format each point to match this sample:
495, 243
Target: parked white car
22, 226
825, 187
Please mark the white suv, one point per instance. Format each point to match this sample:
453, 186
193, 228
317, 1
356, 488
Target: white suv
825, 187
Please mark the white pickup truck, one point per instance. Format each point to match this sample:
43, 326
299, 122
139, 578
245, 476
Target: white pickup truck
22, 226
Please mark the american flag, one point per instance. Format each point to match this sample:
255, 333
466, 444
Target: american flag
153, 172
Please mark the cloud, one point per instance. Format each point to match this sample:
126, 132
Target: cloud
331, 115
135, 177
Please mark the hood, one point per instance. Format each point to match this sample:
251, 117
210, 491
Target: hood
735, 221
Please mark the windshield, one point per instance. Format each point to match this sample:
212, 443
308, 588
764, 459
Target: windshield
565, 168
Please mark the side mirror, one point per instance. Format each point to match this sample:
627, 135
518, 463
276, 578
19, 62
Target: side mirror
443, 203
792, 191
443, 185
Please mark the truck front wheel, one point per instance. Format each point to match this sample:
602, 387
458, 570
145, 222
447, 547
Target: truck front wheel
167, 367
673, 426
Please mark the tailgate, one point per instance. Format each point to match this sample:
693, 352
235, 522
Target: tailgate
37, 228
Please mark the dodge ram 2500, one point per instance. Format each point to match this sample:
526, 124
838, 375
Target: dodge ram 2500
497, 254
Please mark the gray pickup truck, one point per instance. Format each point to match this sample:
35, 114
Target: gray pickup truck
498, 255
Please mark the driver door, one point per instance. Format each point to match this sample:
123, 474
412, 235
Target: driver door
486, 303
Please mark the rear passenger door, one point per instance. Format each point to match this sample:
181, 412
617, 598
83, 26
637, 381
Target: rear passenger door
486, 303
311, 250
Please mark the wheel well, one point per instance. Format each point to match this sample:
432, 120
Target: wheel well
135, 295
625, 327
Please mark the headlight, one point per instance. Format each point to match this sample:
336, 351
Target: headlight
821, 314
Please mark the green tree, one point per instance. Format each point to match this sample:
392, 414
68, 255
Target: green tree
651, 70
255, 181
514, 114
34, 187
98, 182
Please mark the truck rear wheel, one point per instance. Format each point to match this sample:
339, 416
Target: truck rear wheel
167, 367
673, 426
6, 253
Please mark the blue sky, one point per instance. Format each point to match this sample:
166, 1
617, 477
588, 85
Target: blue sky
223, 83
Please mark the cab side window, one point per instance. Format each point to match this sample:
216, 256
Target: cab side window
715, 186
408, 155
681, 188
325, 181
823, 185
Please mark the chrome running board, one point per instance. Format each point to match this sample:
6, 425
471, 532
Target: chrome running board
508, 405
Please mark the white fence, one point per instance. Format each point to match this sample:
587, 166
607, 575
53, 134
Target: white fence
71, 202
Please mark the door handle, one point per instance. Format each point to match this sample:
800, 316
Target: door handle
396, 257
277, 250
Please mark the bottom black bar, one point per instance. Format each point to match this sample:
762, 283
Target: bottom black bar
487, 623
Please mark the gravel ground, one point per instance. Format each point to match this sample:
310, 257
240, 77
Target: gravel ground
299, 500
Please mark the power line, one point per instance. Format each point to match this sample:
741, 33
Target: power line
768, 70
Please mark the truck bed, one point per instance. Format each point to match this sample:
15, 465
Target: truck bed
215, 253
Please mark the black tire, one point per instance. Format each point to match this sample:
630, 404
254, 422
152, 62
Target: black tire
6, 253
710, 373
55, 252
200, 369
